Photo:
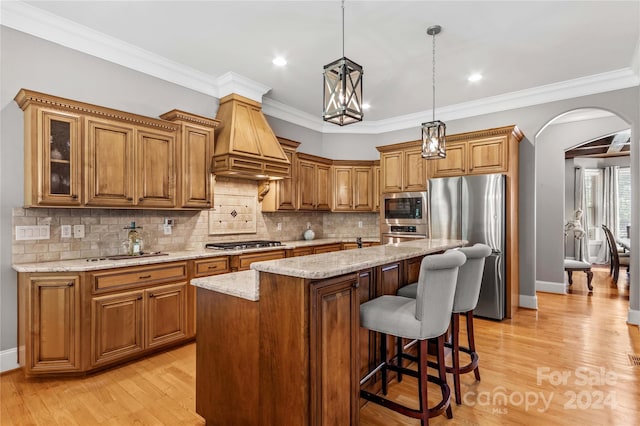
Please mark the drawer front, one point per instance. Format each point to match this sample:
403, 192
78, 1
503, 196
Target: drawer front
327, 248
138, 276
301, 251
206, 267
244, 260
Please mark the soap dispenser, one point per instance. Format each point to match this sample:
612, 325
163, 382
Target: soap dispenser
134, 241
309, 234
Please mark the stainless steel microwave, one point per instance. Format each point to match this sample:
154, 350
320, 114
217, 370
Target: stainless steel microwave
404, 208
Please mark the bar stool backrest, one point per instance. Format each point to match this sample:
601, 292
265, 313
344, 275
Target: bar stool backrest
436, 289
470, 277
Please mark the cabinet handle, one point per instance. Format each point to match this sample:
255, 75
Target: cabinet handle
139, 298
144, 277
355, 285
129, 198
70, 284
213, 267
74, 196
208, 203
141, 199
152, 295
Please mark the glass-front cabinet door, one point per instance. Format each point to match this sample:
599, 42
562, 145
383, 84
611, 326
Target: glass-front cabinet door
60, 156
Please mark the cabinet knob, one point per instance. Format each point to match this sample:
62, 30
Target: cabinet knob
74, 196
355, 285
152, 295
70, 284
129, 198
139, 298
141, 199
144, 277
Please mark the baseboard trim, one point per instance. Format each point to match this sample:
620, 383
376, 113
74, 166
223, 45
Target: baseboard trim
551, 287
633, 317
8, 360
529, 302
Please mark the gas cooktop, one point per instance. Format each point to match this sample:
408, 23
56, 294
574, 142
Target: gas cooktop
240, 245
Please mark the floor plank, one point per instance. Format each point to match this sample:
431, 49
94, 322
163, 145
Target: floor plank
565, 364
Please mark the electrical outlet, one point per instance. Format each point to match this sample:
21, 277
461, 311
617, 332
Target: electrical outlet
167, 229
37, 232
65, 231
359, 224
78, 231
169, 222
279, 226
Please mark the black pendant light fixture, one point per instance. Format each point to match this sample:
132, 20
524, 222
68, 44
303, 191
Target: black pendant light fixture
342, 98
433, 132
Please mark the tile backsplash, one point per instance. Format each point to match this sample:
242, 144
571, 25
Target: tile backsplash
105, 228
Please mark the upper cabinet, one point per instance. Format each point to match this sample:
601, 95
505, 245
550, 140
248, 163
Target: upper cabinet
282, 193
314, 183
77, 155
353, 186
473, 153
195, 148
402, 168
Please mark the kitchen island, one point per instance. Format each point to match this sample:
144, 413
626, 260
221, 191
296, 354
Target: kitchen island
281, 343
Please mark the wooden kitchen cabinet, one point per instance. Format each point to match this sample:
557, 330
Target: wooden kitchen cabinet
312, 325
129, 166
282, 195
83, 155
375, 170
49, 323
314, 188
52, 140
402, 168
471, 156
352, 186
117, 326
166, 314
195, 149
334, 344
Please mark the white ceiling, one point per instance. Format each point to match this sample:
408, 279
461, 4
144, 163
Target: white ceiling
523, 48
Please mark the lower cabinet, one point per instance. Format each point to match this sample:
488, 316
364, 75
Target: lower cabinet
78, 322
49, 323
127, 323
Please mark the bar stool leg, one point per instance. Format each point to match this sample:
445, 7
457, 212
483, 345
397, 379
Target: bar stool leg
399, 350
455, 355
472, 342
423, 380
383, 358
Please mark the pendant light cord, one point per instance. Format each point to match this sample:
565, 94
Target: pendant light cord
343, 28
433, 74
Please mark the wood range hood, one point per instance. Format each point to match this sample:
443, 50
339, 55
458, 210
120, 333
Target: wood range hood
246, 147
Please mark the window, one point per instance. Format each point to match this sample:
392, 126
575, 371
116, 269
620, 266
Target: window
593, 201
624, 200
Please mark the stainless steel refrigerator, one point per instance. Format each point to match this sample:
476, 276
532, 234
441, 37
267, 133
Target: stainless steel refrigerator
473, 208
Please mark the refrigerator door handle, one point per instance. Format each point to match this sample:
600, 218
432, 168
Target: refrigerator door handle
499, 269
496, 251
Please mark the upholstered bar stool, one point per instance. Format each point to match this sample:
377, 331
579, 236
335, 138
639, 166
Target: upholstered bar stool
464, 302
422, 318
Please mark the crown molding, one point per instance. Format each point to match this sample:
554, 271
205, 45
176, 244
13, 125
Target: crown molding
37, 22
40, 23
231, 82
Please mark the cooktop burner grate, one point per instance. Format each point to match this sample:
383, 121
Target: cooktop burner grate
239, 245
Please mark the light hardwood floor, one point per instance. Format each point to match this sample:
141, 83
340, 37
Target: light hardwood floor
567, 363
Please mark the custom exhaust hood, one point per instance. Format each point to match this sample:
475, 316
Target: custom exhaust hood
246, 147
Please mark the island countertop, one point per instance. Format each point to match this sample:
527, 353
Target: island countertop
332, 264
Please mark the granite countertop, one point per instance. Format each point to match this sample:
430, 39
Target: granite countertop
82, 265
243, 284
332, 264
246, 284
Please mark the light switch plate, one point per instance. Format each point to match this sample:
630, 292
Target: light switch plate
38, 232
65, 231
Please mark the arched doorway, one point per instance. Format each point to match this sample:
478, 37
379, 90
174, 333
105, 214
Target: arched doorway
556, 136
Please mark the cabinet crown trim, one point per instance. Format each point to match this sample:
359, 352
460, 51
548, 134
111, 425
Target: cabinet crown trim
25, 98
176, 114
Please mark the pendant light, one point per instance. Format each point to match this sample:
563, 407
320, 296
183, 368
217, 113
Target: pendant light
433, 132
342, 98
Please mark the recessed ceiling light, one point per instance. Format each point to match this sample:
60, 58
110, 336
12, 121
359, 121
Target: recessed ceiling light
366, 106
475, 77
279, 61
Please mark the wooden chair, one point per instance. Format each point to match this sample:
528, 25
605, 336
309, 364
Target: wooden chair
617, 258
